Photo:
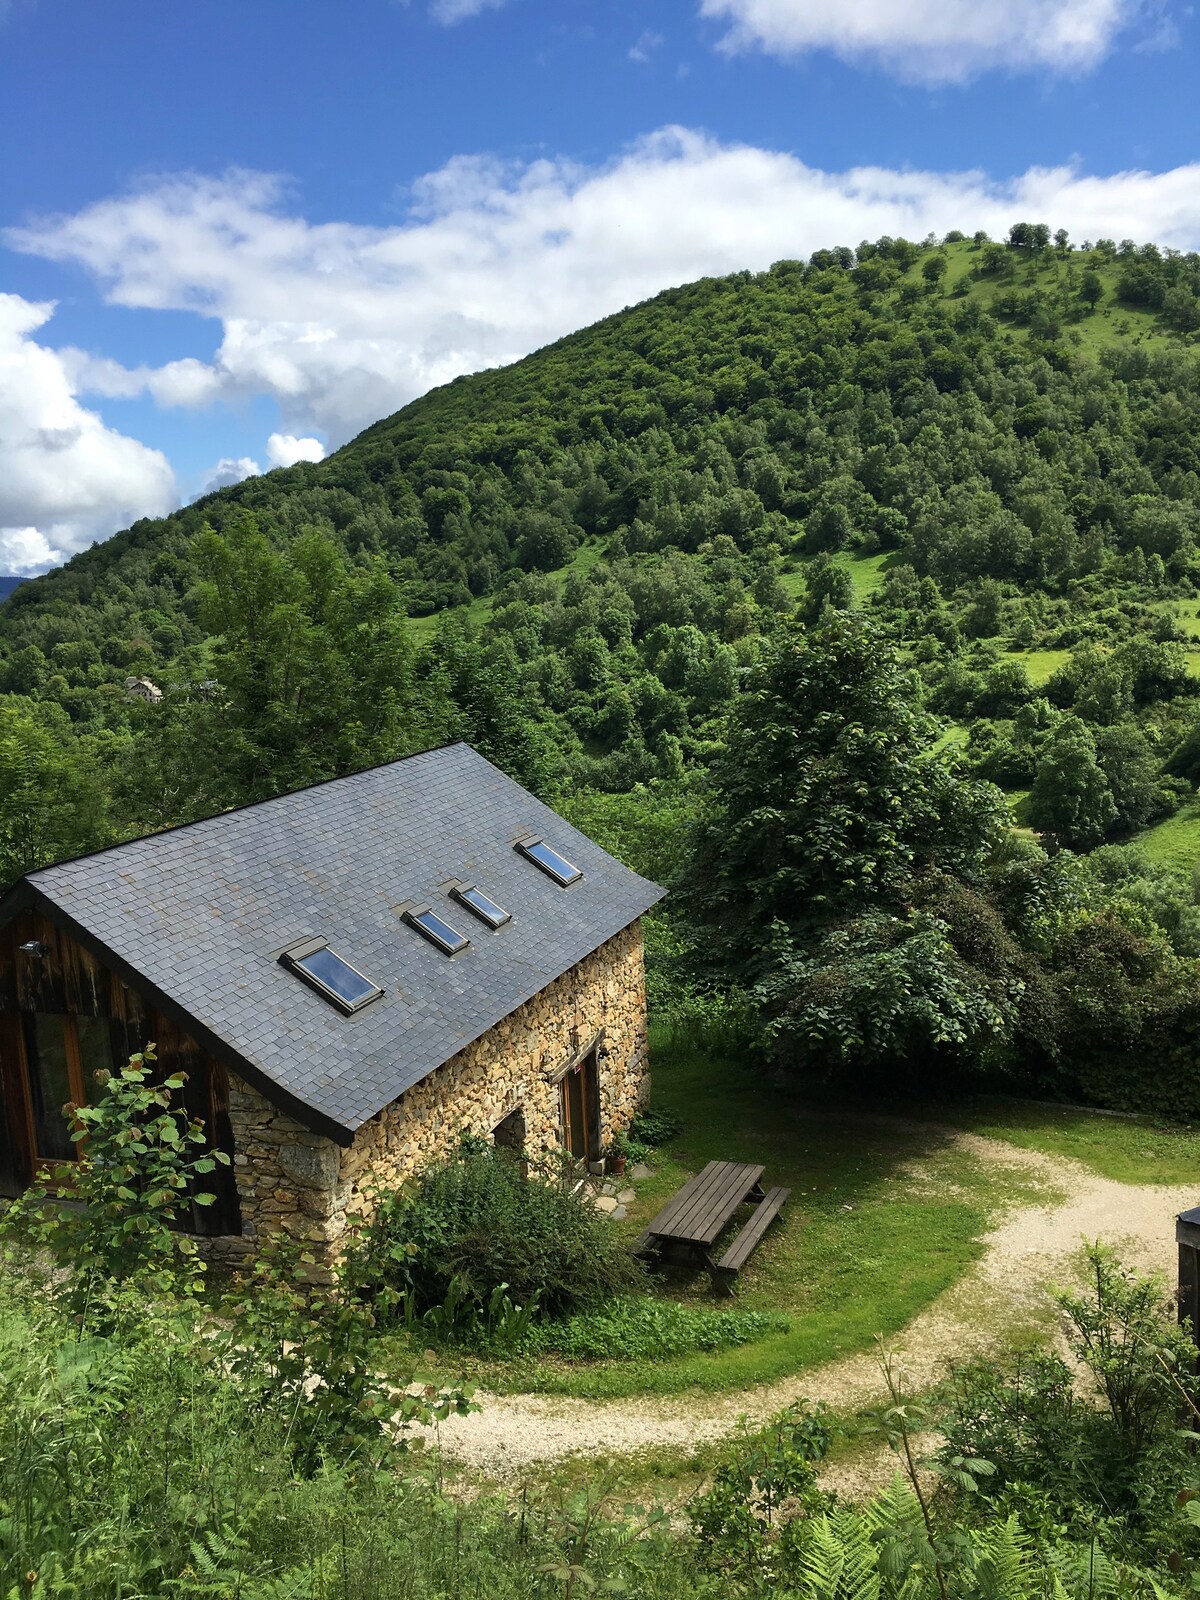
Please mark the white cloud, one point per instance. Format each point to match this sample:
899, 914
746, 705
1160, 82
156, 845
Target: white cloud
341, 324
67, 479
645, 46
451, 11
931, 41
230, 470
284, 450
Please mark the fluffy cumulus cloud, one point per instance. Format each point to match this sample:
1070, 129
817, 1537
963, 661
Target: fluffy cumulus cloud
67, 479
931, 41
285, 450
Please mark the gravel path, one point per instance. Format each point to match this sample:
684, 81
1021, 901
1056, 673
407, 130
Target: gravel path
1033, 1246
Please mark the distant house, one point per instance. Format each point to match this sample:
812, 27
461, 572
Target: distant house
142, 689
353, 977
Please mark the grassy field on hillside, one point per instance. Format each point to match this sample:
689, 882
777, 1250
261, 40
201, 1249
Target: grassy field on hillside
1174, 842
423, 629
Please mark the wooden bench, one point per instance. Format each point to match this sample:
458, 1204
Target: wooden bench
690, 1222
768, 1208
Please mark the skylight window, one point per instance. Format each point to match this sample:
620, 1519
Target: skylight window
437, 930
484, 908
551, 863
333, 978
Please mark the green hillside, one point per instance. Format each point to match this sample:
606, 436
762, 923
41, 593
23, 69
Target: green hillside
993, 447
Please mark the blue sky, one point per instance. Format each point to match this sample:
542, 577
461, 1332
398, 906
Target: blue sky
234, 234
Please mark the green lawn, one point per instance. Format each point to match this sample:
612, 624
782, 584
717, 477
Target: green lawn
866, 574
1125, 1148
885, 1214
1041, 665
1174, 842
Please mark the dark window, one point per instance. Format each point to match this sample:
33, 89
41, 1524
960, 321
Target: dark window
50, 1088
437, 931
485, 909
95, 1050
551, 863
332, 977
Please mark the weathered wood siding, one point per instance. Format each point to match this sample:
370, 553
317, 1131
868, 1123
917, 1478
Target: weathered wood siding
69, 981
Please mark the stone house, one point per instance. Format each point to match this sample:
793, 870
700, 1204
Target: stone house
143, 689
352, 976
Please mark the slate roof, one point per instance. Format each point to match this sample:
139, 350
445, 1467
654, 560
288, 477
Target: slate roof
197, 917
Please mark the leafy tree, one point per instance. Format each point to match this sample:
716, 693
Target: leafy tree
827, 583
831, 814
52, 801
1070, 798
313, 672
828, 796
1091, 288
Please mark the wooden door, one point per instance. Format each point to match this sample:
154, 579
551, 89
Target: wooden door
581, 1109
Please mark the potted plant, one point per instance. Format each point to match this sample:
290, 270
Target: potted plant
622, 1150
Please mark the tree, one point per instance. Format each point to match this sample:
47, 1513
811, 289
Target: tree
1091, 288
1134, 776
933, 269
312, 663
822, 869
52, 801
826, 584
1181, 308
1070, 797
828, 796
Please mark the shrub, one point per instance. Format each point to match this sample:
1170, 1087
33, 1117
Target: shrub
133, 1466
1116, 1455
139, 1156
646, 1329
656, 1126
476, 1224
304, 1351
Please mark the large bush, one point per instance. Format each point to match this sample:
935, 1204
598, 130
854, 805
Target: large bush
1071, 1446
478, 1222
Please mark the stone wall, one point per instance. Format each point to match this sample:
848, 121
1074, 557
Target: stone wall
291, 1179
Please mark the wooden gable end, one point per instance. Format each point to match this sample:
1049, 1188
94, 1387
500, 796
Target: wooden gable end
66, 991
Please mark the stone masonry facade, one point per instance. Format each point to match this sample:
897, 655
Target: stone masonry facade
307, 1185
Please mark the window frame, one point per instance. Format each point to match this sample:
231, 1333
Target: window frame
460, 891
413, 917
25, 1020
526, 846
291, 958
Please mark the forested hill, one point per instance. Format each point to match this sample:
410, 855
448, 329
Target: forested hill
995, 446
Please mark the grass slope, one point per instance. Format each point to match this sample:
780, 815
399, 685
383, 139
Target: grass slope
1127, 1149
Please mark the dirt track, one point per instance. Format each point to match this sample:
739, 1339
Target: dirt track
1032, 1247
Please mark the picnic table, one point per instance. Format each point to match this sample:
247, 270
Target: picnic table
690, 1223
